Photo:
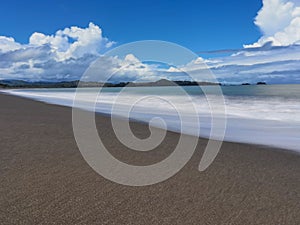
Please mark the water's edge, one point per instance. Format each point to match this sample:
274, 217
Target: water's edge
172, 129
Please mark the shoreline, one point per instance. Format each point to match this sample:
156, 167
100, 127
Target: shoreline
44, 178
262, 145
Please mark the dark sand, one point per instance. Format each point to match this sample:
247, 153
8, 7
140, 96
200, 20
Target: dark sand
44, 179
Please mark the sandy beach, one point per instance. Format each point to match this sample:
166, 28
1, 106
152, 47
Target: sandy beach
45, 180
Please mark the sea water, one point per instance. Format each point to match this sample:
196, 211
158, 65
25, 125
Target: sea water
258, 114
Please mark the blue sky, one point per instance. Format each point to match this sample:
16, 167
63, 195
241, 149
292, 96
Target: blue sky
198, 25
58, 40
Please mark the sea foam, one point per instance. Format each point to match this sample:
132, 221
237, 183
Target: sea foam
259, 119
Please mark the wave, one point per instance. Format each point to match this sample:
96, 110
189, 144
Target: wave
266, 120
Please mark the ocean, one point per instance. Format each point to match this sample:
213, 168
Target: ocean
259, 114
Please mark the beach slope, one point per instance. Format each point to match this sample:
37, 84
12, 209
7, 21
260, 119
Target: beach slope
45, 180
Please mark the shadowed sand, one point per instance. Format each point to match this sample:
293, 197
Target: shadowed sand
44, 179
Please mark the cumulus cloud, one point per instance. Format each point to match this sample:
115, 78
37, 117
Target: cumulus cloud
279, 21
8, 44
73, 42
126, 69
62, 56
67, 54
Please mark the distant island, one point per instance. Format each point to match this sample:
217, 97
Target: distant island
77, 83
258, 83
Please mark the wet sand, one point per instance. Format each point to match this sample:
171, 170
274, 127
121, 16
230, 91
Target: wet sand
45, 180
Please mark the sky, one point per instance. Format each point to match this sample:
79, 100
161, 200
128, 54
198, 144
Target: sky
198, 25
57, 40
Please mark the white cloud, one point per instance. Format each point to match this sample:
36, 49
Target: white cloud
8, 44
73, 42
131, 58
279, 21
116, 69
275, 65
64, 55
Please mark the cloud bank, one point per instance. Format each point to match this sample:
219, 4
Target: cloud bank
65, 55
279, 22
275, 57
62, 56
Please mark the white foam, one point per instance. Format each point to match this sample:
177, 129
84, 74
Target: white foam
266, 121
